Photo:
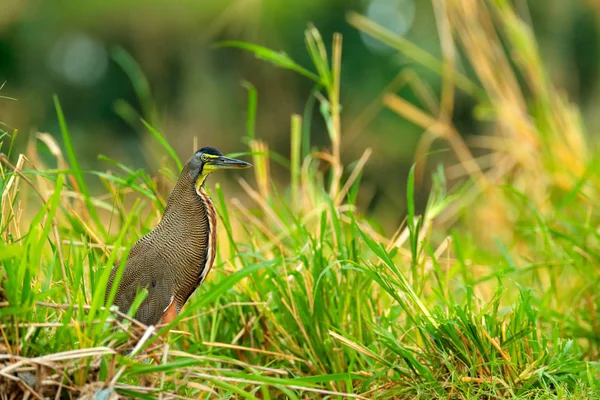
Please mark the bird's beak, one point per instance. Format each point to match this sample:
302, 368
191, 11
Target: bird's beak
222, 162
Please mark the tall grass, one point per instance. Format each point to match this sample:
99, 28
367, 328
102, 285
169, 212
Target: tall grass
491, 293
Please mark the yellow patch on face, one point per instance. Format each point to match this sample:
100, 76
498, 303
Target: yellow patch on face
206, 169
200, 180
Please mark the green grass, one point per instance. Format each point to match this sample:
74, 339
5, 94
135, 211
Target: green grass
491, 293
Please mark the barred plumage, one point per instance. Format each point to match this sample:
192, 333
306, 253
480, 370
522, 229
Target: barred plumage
175, 257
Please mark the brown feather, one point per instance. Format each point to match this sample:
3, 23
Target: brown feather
174, 258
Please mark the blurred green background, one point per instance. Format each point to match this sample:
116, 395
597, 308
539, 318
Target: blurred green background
80, 51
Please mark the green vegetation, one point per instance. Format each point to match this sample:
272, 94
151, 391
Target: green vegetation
491, 293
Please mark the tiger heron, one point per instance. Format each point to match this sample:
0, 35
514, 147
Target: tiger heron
173, 259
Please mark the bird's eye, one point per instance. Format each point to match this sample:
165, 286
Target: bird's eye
204, 157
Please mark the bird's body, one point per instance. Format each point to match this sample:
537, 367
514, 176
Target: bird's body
174, 258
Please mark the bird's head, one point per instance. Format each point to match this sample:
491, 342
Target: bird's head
208, 159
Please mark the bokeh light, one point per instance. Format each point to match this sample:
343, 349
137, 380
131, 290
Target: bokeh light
79, 59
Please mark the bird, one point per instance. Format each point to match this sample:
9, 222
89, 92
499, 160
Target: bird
173, 259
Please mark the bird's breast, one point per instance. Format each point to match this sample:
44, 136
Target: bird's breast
189, 230
211, 219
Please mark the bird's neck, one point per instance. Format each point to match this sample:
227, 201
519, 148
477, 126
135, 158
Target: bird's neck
185, 197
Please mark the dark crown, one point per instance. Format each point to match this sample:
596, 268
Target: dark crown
209, 150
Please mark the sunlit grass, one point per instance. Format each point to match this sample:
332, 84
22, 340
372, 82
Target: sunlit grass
491, 293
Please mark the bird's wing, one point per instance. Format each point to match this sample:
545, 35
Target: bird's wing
145, 269
156, 303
